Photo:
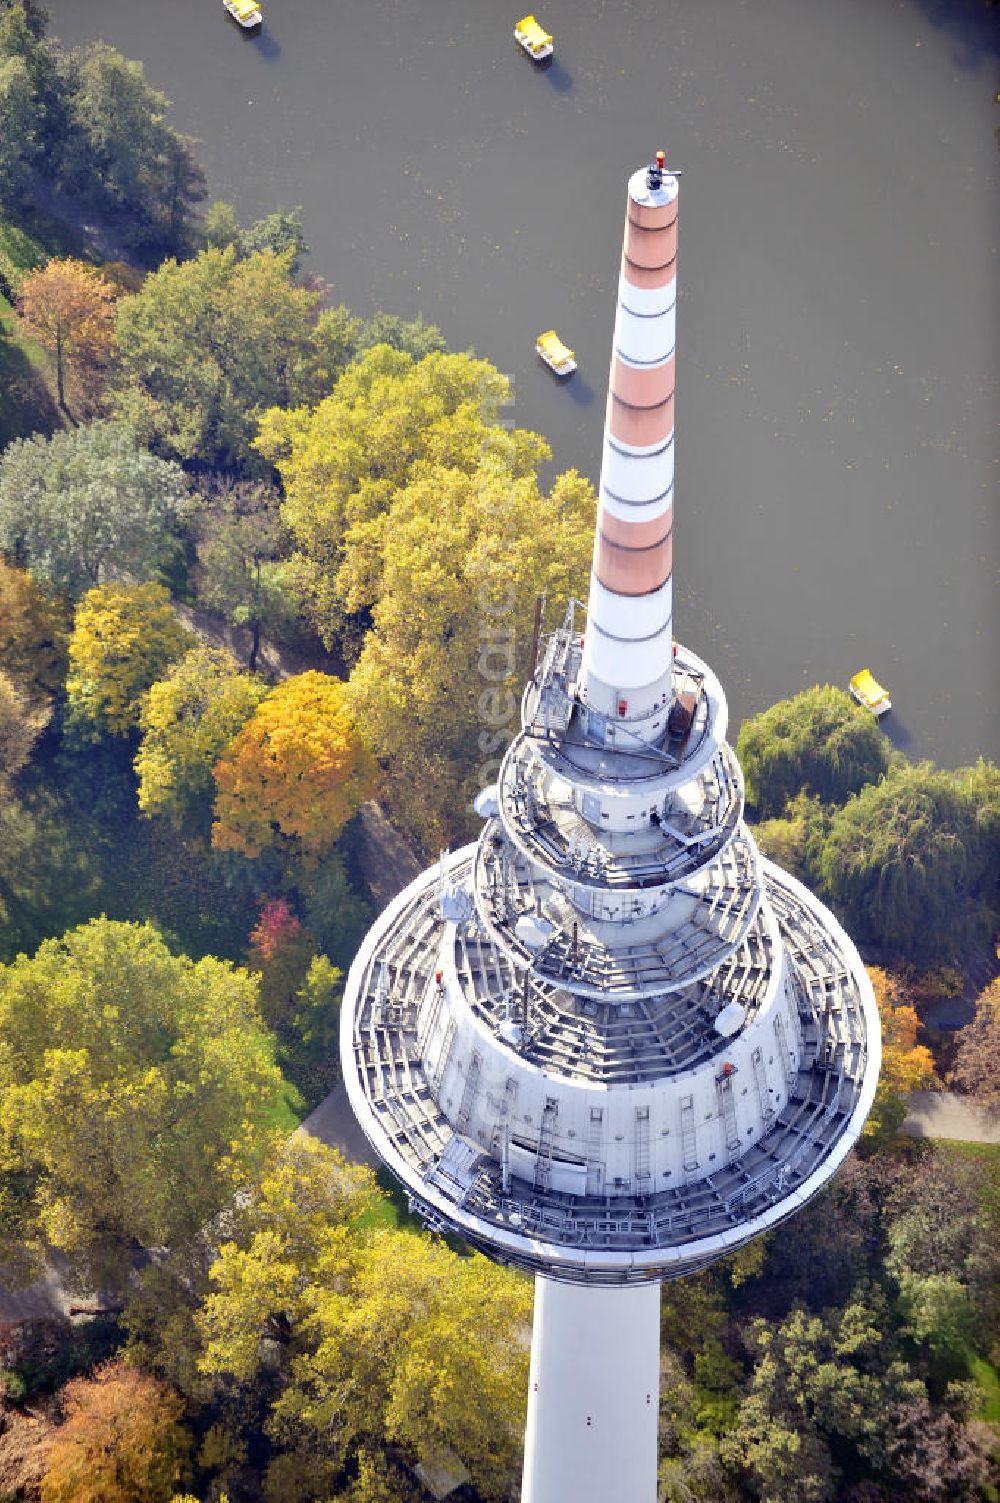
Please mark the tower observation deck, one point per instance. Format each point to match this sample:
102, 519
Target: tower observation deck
609, 1042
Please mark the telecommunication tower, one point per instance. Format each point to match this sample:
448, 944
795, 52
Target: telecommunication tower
609, 1042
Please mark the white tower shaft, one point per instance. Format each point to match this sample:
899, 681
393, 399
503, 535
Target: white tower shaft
593, 1394
627, 659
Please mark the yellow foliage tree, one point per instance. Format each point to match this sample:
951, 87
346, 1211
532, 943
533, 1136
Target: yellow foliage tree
295, 773
137, 1092
389, 419
188, 719
388, 1337
906, 1065
33, 632
69, 308
460, 561
124, 638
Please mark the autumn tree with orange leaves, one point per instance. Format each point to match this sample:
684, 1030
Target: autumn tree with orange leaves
296, 772
121, 1441
69, 308
906, 1065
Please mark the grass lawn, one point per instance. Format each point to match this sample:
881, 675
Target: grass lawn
989, 1381
288, 1113
391, 1212
986, 1151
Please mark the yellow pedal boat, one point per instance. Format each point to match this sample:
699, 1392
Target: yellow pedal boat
557, 356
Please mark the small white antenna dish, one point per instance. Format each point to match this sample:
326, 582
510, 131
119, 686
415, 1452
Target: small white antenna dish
487, 802
455, 903
730, 1019
533, 930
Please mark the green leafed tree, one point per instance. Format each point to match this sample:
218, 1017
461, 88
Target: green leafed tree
18, 130
126, 155
821, 1391
136, 1087
242, 547
279, 232
34, 123
906, 865
206, 345
413, 337
820, 742
81, 504
124, 638
187, 720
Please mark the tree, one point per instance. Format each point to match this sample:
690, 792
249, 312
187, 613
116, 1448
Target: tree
295, 773
450, 573
21, 724
980, 787
820, 1391
34, 121
206, 345
182, 185
829, 1247
377, 1337
241, 542
124, 639
820, 742
76, 505
906, 1065
218, 225
33, 632
18, 130
278, 232
977, 1063
336, 913
34, 15
905, 864
388, 418
795, 840
126, 155
280, 952
300, 991
69, 308
121, 1441
414, 337
136, 1088
942, 1455
187, 720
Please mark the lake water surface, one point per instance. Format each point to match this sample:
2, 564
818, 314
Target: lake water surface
837, 356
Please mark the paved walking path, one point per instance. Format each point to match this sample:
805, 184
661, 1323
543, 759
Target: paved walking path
334, 1123
942, 1114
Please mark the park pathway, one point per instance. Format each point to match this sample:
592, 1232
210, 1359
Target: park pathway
942, 1114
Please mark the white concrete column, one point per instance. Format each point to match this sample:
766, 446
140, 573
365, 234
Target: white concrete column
593, 1394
